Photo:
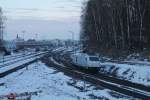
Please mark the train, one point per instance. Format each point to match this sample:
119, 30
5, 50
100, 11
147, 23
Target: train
85, 61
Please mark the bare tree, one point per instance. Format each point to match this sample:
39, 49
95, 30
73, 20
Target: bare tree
1, 26
142, 5
115, 24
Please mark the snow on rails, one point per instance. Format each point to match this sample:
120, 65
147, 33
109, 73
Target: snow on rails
130, 91
12, 64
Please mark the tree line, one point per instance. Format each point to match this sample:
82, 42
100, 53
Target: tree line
115, 24
1, 27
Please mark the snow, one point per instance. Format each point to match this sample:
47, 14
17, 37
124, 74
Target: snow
10, 58
134, 73
13, 59
18, 57
14, 54
13, 65
6, 68
138, 62
53, 84
59, 49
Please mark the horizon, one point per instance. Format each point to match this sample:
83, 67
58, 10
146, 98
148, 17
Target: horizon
50, 19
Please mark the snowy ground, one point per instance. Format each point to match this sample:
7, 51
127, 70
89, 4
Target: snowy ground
132, 69
53, 85
135, 73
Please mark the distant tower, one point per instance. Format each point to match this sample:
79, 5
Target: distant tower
17, 36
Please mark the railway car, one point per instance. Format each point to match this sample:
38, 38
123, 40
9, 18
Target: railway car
85, 61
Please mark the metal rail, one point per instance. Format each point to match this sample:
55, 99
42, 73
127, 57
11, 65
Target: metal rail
103, 76
3, 60
98, 81
19, 59
11, 70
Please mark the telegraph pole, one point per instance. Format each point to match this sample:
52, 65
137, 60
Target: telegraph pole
72, 34
23, 32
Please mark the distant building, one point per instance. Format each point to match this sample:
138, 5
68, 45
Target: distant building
18, 41
57, 42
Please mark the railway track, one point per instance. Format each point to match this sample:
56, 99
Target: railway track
18, 58
140, 63
20, 63
8, 58
15, 55
129, 91
113, 79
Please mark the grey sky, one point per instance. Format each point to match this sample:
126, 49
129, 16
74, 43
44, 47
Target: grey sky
48, 18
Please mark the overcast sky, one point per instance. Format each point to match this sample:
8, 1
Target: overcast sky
49, 19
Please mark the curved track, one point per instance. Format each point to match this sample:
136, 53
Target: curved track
144, 95
118, 85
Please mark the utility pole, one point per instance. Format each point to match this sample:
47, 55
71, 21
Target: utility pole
72, 34
23, 32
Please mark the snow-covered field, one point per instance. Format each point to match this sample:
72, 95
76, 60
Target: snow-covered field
134, 73
53, 85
